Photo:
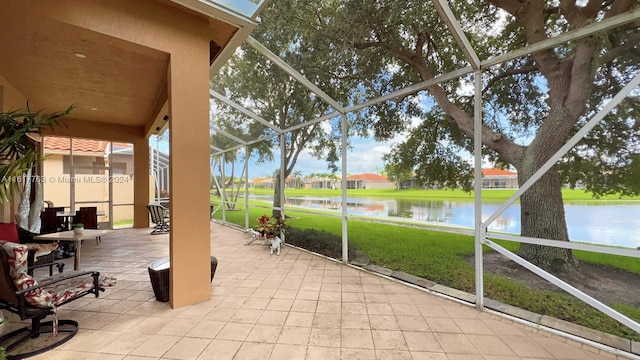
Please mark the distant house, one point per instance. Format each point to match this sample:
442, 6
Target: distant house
369, 181
321, 182
263, 183
499, 179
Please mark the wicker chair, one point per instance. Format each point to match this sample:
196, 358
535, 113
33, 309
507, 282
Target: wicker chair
34, 300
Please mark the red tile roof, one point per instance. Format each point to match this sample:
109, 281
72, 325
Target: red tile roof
369, 177
60, 143
261, 180
498, 172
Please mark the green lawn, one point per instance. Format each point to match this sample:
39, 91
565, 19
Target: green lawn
441, 257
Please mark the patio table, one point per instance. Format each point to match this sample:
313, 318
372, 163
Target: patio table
70, 236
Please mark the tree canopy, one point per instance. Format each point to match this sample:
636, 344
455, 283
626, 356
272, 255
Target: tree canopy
358, 50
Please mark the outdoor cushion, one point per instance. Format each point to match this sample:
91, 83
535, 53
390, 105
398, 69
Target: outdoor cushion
17, 255
55, 293
9, 232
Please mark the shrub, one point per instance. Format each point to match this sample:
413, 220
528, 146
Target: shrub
323, 242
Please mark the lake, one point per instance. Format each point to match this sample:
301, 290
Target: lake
610, 223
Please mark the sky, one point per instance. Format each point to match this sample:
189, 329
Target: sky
365, 156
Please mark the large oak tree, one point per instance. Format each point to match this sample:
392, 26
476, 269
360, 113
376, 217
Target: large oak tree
358, 49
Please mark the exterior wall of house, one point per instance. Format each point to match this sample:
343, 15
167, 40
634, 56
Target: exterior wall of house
185, 37
379, 185
89, 187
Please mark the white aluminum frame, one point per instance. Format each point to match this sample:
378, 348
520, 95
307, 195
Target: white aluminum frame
480, 232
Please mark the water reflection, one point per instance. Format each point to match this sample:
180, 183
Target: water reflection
607, 224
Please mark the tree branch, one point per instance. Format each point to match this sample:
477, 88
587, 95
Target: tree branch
508, 73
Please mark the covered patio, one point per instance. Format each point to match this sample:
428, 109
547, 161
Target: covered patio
294, 306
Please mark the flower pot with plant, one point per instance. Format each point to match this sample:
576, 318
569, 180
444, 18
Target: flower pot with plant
78, 228
270, 227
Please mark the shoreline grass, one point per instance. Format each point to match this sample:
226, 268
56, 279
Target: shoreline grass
569, 195
441, 257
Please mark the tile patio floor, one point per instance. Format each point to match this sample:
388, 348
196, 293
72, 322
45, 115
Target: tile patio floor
293, 306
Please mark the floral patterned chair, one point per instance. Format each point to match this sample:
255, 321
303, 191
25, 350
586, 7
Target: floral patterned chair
22, 295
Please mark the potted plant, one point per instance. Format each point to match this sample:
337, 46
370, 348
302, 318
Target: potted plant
78, 228
270, 226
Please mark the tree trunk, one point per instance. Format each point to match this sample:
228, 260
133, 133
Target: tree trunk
542, 216
276, 196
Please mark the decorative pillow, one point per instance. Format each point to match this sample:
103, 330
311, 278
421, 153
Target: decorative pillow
42, 249
9, 232
17, 255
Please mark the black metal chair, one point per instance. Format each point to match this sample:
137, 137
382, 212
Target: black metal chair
88, 216
38, 259
160, 217
50, 221
34, 300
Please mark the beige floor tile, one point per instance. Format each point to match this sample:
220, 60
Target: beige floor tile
490, 345
405, 310
249, 316
288, 352
354, 308
177, 327
357, 354
253, 351
455, 344
288, 306
125, 343
256, 303
384, 322
526, 347
304, 319
473, 326
329, 307
379, 309
412, 323
286, 294
331, 321
356, 321
432, 310
271, 317
234, 331
187, 348
442, 325
561, 350
351, 297
264, 333
294, 335
308, 294
280, 304
468, 357
123, 323
304, 305
206, 329
393, 355
422, 341
423, 355
330, 295
357, 339
220, 350
323, 353
324, 337
155, 346
388, 340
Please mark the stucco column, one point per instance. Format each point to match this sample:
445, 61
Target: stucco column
189, 175
140, 183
